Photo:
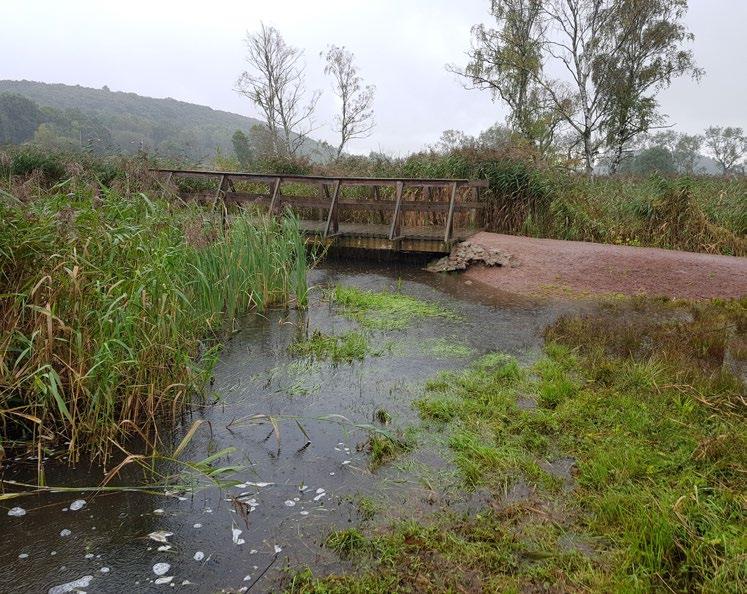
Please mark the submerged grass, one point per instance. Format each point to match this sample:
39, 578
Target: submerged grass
383, 310
643, 401
107, 299
351, 346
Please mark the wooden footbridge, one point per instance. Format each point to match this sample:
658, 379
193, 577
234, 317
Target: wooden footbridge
395, 214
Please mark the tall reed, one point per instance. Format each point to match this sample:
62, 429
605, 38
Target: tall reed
110, 306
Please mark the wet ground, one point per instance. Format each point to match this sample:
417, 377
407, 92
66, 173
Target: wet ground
293, 492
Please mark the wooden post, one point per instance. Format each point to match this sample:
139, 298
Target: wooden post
378, 215
450, 216
325, 194
396, 228
332, 219
275, 192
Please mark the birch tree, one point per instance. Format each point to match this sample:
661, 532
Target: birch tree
356, 116
595, 65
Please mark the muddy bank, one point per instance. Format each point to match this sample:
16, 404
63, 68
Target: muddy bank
549, 266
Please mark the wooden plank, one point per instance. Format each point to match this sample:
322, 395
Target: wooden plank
450, 216
395, 228
332, 209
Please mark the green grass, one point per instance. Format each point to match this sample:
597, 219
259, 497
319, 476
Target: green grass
111, 305
384, 447
384, 310
447, 348
639, 398
351, 346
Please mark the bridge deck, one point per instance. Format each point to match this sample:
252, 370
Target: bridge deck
406, 197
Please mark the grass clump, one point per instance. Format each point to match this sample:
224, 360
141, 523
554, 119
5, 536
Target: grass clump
642, 399
444, 348
384, 310
351, 346
107, 299
385, 446
346, 542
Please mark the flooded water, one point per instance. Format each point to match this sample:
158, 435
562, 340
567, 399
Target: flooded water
300, 480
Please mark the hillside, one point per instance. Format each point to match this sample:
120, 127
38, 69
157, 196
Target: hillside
107, 121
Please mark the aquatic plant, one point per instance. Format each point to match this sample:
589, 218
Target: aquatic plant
351, 346
111, 306
384, 310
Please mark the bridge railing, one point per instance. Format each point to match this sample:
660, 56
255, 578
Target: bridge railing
329, 195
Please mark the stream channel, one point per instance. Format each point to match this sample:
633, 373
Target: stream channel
293, 492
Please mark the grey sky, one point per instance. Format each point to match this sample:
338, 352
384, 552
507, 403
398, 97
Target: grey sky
193, 50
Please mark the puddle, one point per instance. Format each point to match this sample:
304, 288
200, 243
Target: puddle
301, 479
563, 469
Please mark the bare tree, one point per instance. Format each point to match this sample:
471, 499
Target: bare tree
356, 118
274, 82
727, 146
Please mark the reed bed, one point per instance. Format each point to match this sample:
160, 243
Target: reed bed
112, 304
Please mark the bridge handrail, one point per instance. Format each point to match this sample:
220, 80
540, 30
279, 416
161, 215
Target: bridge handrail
333, 203
271, 177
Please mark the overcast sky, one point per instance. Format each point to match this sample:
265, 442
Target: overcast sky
193, 50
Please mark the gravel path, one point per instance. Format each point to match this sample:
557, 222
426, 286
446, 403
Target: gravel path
551, 266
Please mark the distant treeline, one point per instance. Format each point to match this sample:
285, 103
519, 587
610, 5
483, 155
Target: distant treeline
103, 122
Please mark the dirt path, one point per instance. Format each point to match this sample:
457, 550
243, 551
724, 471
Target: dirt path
551, 265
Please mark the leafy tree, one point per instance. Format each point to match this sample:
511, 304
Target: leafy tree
507, 61
19, 119
453, 140
684, 148
275, 83
655, 159
615, 56
687, 152
727, 145
355, 119
241, 148
646, 39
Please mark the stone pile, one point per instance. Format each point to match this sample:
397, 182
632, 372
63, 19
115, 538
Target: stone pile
466, 253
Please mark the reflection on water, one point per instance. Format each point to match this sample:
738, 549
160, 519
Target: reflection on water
293, 492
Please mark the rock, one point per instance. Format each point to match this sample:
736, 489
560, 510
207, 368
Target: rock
465, 253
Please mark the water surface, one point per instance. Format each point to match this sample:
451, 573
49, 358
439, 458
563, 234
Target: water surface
313, 487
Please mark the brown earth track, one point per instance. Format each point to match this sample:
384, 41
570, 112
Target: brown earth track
552, 265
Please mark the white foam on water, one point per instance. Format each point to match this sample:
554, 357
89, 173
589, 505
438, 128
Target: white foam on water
82, 582
199, 556
65, 532
16, 512
164, 580
161, 568
235, 533
77, 504
160, 536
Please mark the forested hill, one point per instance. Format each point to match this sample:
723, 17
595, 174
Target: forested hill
65, 116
